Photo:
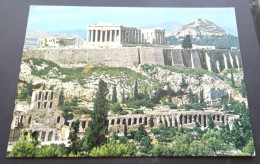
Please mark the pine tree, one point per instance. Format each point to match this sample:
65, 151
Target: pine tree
135, 90
123, 97
232, 79
169, 93
125, 129
151, 123
242, 89
97, 127
201, 96
186, 44
61, 97
114, 95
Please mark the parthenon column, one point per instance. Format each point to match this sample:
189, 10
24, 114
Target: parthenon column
110, 37
91, 37
105, 35
119, 38
96, 35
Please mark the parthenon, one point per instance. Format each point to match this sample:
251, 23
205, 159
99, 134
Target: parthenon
110, 35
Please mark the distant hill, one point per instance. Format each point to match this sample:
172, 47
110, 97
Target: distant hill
204, 33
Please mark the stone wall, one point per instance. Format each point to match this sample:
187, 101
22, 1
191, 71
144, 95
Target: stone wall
212, 60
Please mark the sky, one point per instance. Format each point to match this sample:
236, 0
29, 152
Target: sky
66, 18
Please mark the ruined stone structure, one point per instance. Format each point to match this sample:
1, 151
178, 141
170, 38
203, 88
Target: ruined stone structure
44, 119
104, 35
52, 42
171, 118
212, 60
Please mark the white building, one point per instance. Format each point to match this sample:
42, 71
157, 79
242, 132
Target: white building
104, 35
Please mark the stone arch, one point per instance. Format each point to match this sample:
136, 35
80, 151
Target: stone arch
118, 121
29, 120
129, 121
185, 119
58, 119
124, 121
218, 118
43, 136
204, 120
50, 135
56, 137
190, 118
135, 120
200, 119
21, 119
51, 95
181, 119
83, 124
195, 118
140, 120
223, 119
214, 117
145, 120
35, 135
112, 122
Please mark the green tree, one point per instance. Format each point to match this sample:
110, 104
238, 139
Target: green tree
140, 134
211, 124
61, 97
162, 150
114, 95
190, 96
201, 96
212, 139
123, 97
186, 44
169, 90
43, 86
232, 79
198, 148
24, 148
116, 108
181, 145
249, 148
75, 145
242, 88
97, 127
145, 145
151, 123
136, 90
125, 129
113, 149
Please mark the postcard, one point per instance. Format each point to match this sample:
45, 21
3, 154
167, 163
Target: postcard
131, 82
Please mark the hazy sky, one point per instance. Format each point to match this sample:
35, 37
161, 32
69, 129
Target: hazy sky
64, 18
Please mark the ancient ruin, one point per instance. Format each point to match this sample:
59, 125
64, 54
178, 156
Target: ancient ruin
105, 35
44, 119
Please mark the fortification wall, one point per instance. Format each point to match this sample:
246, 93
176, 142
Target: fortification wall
212, 60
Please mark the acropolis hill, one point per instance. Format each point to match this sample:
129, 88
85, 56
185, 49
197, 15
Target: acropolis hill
119, 46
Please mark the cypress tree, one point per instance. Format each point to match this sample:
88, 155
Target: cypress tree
190, 96
201, 96
210, 122
97, 127
74, 147
151, 123
169, 94
61, 97
186, 44
114, 95
123, 97
125, 130
135, 90
232, 79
